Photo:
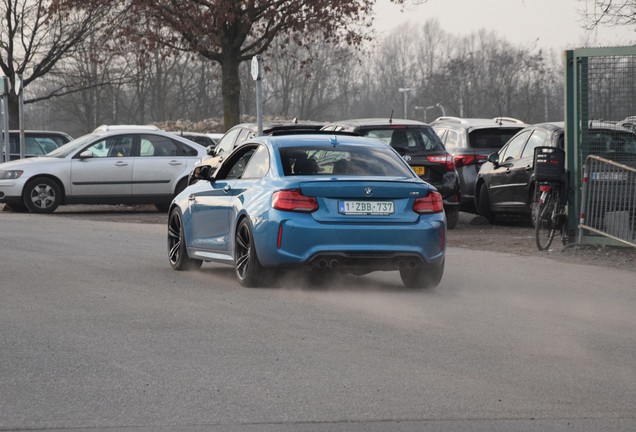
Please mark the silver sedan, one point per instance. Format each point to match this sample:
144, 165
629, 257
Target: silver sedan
111, 165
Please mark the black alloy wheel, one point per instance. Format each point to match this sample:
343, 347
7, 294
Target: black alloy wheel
177, 252
249, 271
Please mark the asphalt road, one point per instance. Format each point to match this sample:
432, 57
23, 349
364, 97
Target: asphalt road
97, 332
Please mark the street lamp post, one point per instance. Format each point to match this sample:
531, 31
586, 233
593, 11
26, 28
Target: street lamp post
440, 106
406, 91
437, 105
421, 108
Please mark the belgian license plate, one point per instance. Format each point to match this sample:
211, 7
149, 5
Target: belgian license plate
419, 170
366, 207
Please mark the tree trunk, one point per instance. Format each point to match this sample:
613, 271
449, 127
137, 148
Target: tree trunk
231, 90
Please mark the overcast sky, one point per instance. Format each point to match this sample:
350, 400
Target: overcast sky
555, 23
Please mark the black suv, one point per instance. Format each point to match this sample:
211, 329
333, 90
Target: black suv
470, 141
420, 146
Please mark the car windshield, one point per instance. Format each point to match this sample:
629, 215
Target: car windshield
71, 147
343, 160
492, 138
407, 141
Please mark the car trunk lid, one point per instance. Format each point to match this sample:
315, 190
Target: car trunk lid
386, 200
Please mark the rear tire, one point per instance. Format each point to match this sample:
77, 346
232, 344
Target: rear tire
424, 277
545, 228
42, 195
249, 270
483, 205
177, 251
452, 217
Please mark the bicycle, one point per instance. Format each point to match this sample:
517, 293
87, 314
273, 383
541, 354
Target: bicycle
550, 215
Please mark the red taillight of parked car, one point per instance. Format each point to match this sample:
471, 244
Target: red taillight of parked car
293, 200
465, 160
431, 203
446, 160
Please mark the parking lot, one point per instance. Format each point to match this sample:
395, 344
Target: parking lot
99, 332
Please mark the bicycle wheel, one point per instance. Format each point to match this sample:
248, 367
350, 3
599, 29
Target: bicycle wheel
546, 226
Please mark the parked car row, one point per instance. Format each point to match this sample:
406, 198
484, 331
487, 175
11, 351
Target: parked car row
477, 164
506, 184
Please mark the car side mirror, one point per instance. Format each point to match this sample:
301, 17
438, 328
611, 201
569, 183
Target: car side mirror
493, 158
86, 154
202, 172
210, 150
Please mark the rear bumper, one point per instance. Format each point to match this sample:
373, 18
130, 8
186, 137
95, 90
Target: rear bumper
372, 247
361, 262
448, 187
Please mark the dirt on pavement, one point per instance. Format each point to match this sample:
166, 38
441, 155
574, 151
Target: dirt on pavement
512, 235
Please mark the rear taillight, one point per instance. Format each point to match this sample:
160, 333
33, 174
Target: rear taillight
446, 160
465, 160
431, 203
545, 188
293, 200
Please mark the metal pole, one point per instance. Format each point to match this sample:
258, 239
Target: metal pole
257, 75
405, 98
20, 91
259, 105
3, 152
405, 90
5, 118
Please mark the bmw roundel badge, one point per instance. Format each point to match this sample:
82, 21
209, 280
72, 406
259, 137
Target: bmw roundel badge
368, 191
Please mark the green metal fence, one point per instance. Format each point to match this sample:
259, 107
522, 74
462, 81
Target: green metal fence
600, 105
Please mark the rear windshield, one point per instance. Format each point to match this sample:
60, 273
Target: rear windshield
619, 146
412, 141
491, 138
343, 160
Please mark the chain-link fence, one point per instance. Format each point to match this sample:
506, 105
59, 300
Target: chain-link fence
600, 122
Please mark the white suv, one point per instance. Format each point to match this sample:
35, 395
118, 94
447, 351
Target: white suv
111, 165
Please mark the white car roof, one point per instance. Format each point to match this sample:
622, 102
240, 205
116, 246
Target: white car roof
106, 128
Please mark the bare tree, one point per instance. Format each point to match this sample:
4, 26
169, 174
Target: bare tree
232, 31
35, 37
612, 12
133, 87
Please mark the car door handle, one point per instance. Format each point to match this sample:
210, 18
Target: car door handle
121, 163
175, 162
